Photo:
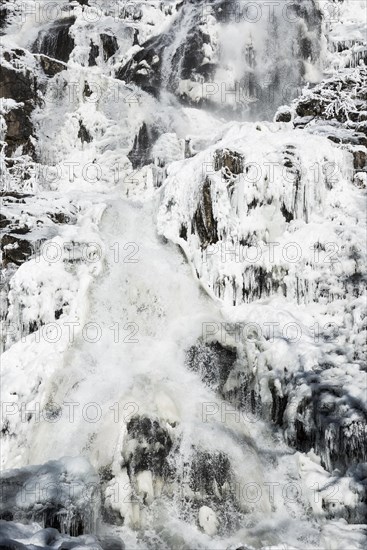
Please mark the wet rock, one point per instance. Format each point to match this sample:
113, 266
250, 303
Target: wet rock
311, 107
4, 222
50, 66
136, 38
287, 215
204, 223
210, 473
140, 154
360, 159
4, 12
151, 444
15, 250
56, 41
279, 404
19, 130
14, 196
93, 54
189, 58
18, 229
83, 133
334, 428
144, 69
111, 543
17, 85
360, 180
109, 45
212, 361
20, 86
183, 232
230, 160
87, 91
283, 116
209, 483
60, 218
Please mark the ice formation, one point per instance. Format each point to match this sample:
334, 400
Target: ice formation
183, 285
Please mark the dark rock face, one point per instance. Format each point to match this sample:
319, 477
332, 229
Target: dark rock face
56, 42
212, 362
211, 482
360, 159
262, 282
6, 8
50, 66
283, 116
144, 69
140, 154
229, 160
189, 61
215, 364
208, 470
20, 86
153, 446
93, 54
109, 45
328, 423
309, 107
3, 221
15, 250
61, 218
19, 130
83, 133
204, 222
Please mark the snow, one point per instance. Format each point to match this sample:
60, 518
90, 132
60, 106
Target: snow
100, 317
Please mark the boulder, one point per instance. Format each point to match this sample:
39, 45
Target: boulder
50, 66
15, 250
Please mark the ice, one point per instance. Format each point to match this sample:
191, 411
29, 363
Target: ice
141, 368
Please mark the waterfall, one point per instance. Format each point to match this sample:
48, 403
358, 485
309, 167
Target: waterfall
182, 240
233, 56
